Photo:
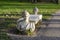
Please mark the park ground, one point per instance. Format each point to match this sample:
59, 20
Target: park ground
13, 10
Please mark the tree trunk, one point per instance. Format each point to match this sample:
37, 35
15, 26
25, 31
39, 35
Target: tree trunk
34, 1
55, 1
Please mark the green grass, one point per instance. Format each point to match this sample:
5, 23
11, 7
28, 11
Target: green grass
8, 7
18, 7
5, 5
13, 11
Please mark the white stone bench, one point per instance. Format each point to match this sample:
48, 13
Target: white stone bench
35, 18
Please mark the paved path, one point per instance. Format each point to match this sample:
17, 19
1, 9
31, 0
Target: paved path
52, 30
55, 20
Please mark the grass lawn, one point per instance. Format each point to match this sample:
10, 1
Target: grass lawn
18, 7
28, 5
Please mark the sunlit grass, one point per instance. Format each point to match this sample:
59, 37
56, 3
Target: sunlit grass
8, 11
